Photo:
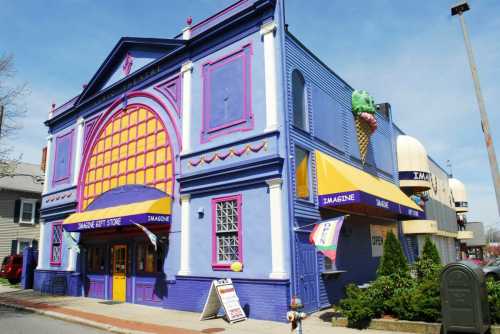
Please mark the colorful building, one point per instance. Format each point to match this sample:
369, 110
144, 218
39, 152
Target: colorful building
229, 143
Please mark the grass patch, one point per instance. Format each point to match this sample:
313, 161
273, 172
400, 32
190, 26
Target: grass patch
4, 281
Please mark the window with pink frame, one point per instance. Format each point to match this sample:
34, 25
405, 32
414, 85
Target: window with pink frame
227, 94
226, 237
56, 244
62, 158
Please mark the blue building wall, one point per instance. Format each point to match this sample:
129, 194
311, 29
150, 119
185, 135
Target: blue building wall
244, 173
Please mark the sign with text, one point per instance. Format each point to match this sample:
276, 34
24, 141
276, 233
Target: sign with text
377, 237
222, 293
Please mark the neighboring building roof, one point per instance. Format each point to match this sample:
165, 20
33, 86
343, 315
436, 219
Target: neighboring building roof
479, 236
22, 180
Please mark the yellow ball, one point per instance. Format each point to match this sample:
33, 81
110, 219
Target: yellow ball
236, 266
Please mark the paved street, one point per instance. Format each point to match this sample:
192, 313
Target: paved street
22, 322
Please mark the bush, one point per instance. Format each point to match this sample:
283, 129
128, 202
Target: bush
357, 307
430, 251
393, 260
493, 288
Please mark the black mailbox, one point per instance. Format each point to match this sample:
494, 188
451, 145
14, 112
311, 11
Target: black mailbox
464, 299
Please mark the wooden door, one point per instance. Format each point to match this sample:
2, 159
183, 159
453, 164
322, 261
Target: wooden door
119, 272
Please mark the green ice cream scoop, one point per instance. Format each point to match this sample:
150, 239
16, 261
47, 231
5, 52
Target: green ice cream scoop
362, 102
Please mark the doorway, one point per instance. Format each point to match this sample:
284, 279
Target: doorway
119, 270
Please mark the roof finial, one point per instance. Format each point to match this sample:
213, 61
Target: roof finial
189, 20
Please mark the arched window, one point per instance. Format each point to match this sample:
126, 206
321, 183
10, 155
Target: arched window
299, 99
133, 147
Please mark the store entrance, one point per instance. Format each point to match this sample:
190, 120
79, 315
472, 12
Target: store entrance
119, 271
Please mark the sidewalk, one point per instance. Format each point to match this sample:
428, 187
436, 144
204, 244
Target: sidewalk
133, 318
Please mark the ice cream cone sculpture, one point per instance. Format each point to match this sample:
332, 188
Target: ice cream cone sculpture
363, 109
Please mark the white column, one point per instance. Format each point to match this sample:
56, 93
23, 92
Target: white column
186, 72
78, 150
278, 237
41, 245
186, 33
185, 268
48, 164
267, 31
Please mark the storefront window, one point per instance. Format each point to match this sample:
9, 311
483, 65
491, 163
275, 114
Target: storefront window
302, 173
227, 241
95, 259
149, 260
56, 245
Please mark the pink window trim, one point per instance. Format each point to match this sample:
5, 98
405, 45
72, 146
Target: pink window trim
65, 178
207, 133
99, 135
54, 226
113, 108
177, 102
226, 266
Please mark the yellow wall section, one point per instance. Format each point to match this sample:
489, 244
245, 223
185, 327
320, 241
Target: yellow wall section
132, 148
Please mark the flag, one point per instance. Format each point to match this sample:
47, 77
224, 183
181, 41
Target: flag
152, 237
325, 237
71, 240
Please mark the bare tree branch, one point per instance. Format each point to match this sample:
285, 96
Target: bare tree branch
11, 98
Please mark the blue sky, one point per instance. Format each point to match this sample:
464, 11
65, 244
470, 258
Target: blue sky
408, 53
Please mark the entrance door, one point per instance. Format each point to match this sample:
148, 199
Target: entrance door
306, 272
119, 272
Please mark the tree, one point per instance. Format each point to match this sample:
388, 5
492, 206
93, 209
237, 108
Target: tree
430, 252
393, 261
11, 111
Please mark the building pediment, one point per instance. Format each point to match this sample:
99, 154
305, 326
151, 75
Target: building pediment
128, 56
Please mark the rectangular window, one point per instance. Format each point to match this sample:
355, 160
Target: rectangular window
95, 259
27, 212
22, 244
302, 173
62, 158
227, 248
148, 260
226, 94
56, 244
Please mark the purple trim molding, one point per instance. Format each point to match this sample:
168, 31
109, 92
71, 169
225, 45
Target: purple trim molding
246, 122
215, 264
360, 197
65, 178
172, 90
143, 218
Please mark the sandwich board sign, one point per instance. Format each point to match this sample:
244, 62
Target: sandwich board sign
222, 293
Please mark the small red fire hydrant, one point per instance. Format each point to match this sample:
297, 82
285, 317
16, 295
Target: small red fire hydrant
294, 316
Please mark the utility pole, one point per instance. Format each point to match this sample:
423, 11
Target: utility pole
459, 9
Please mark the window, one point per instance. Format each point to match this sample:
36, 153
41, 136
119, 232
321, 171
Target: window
95, 259
22, 244
56, 245
328, 263
62, 158
299, 101
149, 260
226, 94
26, 211
227, 246
302, 173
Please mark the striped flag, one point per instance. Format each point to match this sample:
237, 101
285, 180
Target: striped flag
325, 237
152, 237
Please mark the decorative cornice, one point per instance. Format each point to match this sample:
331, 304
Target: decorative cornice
186, 67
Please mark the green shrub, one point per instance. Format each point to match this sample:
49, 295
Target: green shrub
392, 260
357, 307
430, 251
493, 288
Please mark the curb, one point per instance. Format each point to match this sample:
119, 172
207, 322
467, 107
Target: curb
72, 319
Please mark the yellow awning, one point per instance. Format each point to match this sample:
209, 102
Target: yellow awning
340, 184
155, 211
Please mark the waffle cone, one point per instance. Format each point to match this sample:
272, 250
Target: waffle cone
363, 133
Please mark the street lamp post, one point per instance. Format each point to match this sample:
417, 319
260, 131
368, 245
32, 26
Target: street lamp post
459, 9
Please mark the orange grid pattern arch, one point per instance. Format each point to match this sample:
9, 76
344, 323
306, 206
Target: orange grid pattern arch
133, 147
